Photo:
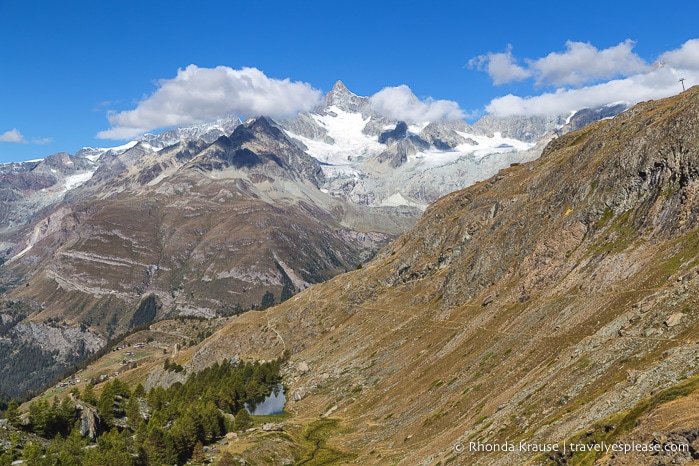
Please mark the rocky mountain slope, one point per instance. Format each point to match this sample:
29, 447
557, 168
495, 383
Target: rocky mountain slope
191, 229
553, 303
28, 187
219, 218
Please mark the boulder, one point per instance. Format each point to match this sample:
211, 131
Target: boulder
673, 319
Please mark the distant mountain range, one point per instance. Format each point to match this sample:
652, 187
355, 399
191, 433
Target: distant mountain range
223, 217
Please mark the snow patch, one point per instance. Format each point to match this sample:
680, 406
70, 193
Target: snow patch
346, 130
397, 199
484, 147
417, 128
73, 181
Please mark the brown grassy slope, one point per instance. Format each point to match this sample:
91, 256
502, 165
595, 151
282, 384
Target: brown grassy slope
581, 257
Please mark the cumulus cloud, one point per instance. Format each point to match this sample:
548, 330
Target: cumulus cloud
501, 67
12, 136
581, 63
686, 57
400, 103
585, 76
661, 82
197, 95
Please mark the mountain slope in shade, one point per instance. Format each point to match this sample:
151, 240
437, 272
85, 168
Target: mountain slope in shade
527, 307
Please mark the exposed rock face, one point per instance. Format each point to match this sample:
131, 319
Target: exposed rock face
523, 128
398, 151
91, 424
673, 319
208, 133
27, 187
60, 339
305, 125
341, 97
586, 116
164, 379
528, 307
394, 135
444, 136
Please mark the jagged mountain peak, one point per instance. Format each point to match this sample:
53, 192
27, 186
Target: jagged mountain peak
344, 99
339, 87
260, 128
264, 124
207, 132
260, 144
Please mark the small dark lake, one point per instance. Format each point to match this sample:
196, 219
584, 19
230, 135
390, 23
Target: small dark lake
271, 404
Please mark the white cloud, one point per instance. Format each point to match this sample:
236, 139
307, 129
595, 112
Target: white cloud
588, 77
686, 57
501, 67
583, 63
198, 95
12, 136
659, 83
401, 104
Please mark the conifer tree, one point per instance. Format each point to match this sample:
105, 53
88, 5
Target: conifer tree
198, 456
88, 395
242, 420
12, 414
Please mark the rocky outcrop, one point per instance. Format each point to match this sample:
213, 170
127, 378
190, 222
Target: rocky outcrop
91, 424
60, 338
164, 378
445, 136
528, 129
394, 135
587, 116
398, 151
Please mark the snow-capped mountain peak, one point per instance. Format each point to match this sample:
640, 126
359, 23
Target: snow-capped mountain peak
370, 159
343, 99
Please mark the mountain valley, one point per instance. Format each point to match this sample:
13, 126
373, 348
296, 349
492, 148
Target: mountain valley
208, 220
550, 304
553, 303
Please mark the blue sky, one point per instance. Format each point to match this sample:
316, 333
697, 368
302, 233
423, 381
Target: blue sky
87, 73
